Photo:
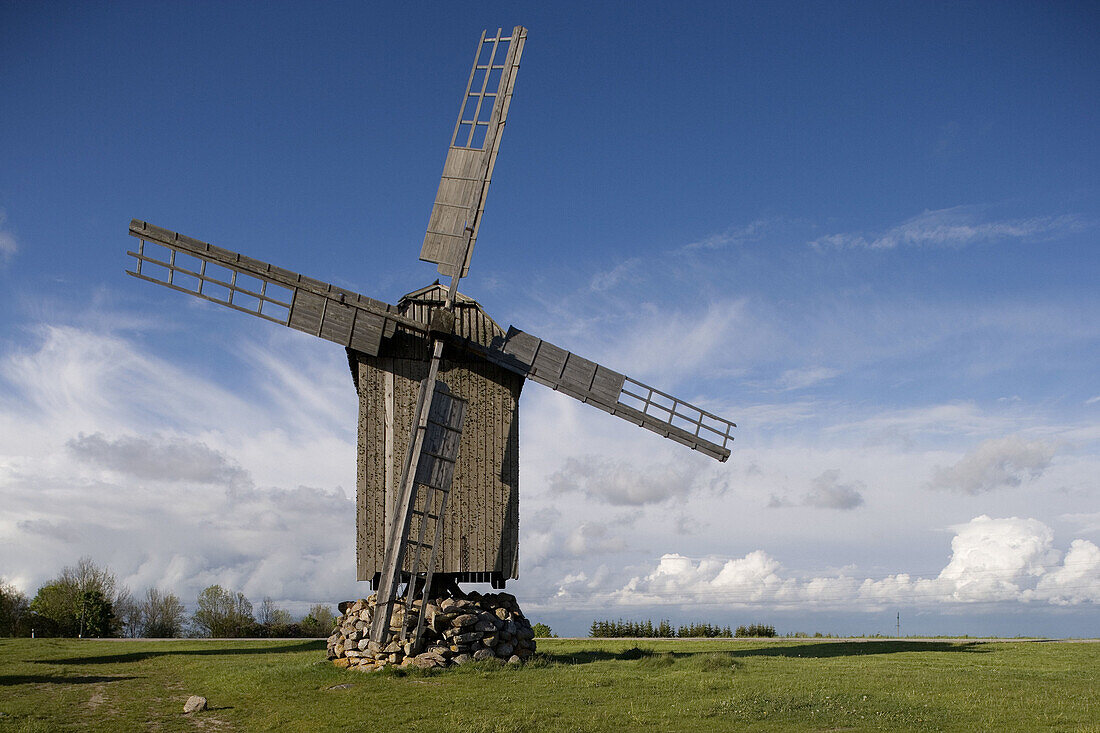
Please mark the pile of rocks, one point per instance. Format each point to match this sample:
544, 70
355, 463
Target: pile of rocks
456, 630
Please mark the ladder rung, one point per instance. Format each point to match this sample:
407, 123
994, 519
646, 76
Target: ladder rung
424, 514
420, 544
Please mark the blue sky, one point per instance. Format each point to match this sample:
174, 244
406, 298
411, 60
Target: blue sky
865, 232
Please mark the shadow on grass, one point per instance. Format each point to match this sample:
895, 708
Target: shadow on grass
811, 651
303, 646
7, 680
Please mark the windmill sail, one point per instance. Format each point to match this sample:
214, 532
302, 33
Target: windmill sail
460, 200
263, 290
611, 392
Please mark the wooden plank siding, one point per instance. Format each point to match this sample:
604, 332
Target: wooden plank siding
481, 524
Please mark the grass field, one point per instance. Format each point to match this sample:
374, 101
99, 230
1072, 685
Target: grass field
598, 685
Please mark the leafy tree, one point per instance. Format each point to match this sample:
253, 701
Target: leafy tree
318, 622
162, 615
542, 631
96, 615
58, 603
13, 607
80, 597
221, 613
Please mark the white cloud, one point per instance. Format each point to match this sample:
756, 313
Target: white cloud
735, 235
957, 226
1076, 581
170, 479
992, 561
994, 464
703, 341
625, 271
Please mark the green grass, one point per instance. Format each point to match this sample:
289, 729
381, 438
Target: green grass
613, 685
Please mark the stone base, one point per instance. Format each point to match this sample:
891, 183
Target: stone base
456, 630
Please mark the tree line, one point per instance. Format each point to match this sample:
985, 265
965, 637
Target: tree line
663, 629
86, 600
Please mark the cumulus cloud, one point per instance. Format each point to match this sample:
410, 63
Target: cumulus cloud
1076, 581
995, 464
957, 226
752, 577
992, 560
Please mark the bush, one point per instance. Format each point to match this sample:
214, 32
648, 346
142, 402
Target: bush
542, 631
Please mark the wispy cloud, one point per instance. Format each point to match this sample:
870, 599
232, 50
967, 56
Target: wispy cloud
8, 245
740, 234
625, 271
168, 478
957, 226
803, 377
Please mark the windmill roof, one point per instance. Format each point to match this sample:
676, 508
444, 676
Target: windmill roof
435, 293
471, 320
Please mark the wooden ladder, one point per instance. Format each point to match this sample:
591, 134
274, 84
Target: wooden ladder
425, 487
423, 516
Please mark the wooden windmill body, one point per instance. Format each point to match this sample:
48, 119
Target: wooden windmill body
438, 379
480, 540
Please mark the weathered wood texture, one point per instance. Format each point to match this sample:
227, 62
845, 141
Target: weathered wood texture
481, 524
261, 289
468, 170
611, 392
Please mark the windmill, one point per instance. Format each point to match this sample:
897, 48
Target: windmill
438, 380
